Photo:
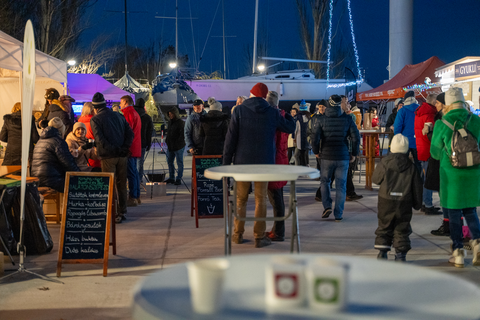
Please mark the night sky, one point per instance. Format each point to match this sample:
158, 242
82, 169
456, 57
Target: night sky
445, 28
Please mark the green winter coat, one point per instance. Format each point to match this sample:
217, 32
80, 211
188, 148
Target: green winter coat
459, 187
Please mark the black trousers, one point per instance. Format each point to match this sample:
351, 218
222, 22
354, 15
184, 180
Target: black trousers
393, 225
276, 199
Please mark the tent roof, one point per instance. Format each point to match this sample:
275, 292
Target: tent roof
410, 74
129, 84
11, 52
82, 87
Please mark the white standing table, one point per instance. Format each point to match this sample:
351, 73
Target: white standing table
376, 290
266, 173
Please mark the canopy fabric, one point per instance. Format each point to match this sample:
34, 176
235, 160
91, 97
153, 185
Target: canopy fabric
11, 51
129, 84
82, 87
410, 74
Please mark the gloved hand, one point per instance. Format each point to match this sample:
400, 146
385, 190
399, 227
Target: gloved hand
88, 145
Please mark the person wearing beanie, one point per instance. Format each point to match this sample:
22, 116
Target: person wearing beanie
113, 138
459, 187
424, 122
147, 132
133, 119
400, 191
56, 109
250, 140
81, 149
311, 131
51, 158
405, 124
336, 143
214, 126
192, 129
300, 136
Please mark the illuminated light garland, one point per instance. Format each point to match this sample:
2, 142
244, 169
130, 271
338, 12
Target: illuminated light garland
422, 87
357, 59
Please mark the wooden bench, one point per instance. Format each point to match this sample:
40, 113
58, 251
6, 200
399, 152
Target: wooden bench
51, 194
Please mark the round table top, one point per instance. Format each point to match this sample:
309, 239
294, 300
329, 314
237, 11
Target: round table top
261, 172
376, 290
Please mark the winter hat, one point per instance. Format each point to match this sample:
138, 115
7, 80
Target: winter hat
66, 98
198, 102
140, 103
57, 124
272, 98
259, 90
335, 100
453, 95
214, 104
441, 98
98, 100
399, 144
304, 106
323, 102
398, 101
409, 94
79, 125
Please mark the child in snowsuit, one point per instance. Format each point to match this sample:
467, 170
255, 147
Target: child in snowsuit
400, 189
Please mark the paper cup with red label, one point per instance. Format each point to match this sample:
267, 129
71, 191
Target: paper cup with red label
206, 279
285, 283
327, 284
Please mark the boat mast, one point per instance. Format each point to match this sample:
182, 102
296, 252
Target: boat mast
224, 59
255, 38
126, 43
176, 32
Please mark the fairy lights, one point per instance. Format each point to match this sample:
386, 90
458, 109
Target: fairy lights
357, 59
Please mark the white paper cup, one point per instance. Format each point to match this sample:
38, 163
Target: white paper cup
206, 283
285, 283
327, 281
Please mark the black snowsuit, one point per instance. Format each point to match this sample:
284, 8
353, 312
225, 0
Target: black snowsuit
400, 189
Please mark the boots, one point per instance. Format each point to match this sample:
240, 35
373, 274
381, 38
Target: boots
458, 258
475, 244
400, 256
382, 255
443, 230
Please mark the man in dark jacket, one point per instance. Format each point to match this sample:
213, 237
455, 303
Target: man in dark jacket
176, 146
147, 131
400, 190
113, 137
192, 128
214, 126
250, 140
332, 147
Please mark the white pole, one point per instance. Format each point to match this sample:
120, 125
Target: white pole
401, 33
176, 32
255, 38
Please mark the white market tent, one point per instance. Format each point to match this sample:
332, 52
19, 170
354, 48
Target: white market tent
82, 87
51, 73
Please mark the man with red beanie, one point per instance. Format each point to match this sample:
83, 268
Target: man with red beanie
250, 140
424, 121
133, 119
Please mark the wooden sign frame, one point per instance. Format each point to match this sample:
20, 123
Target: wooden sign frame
108, 221
194, 206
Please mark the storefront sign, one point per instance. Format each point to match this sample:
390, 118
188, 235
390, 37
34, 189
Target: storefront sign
467, 69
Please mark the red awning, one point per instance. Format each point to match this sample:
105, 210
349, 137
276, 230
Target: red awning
410, 74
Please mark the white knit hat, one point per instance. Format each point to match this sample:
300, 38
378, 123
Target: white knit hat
214, 104
454, 94
399, 144
57, 124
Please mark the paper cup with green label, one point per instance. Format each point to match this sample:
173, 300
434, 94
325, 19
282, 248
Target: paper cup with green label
206, 279
285, 283
327, 284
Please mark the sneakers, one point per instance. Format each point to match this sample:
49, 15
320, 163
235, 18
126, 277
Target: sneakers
354, 197
338, 219
475, 244
263, 242
443, 230
131, 202
382, 255
273, 236
326, 213
118, 219
170, 180
237, 238
458, 258
178, 182
432, 211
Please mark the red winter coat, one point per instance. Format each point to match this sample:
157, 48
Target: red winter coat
86, 121
135, 122
281, 157
425, 113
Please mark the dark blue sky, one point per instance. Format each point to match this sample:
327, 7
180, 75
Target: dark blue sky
445, 28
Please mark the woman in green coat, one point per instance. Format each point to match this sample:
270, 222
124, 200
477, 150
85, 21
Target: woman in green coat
459, 187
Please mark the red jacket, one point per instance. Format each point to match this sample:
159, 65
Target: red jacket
425, 113
281, 157
133, 119
86, 121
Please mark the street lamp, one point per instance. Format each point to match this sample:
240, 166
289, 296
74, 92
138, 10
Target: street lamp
172, 65
71, 62
261, 67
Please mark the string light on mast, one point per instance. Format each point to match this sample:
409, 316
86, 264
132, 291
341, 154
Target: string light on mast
357, 59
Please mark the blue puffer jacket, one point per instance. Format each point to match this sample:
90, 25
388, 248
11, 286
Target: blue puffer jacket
405, 123
251, 134
334, 131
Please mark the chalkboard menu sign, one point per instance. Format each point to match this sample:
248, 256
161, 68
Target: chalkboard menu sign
85, 231
208, 194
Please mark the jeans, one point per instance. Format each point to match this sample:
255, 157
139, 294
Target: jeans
119, 167
455, 220
276, 199
260, 207
140, 162
340, 169
132, 176
171, 155
427, 194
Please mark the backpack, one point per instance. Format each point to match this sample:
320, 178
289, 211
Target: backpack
465, 152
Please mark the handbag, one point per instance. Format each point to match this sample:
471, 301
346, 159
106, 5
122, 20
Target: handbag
432, 176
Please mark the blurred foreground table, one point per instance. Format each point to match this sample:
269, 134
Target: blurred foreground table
260, 172
376, 290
